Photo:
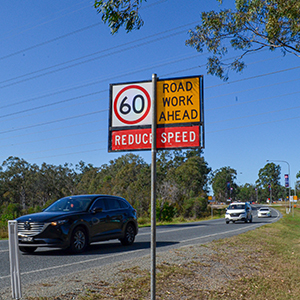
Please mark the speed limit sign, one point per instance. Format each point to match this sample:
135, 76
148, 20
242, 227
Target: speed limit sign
131, 104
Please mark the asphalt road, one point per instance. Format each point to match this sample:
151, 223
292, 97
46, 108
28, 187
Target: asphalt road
47, 262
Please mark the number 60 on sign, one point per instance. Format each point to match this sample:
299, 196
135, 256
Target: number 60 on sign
131, 105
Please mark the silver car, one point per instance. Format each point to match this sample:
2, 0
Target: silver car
264, 212
238, 211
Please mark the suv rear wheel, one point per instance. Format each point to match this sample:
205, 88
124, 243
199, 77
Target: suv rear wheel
129, 235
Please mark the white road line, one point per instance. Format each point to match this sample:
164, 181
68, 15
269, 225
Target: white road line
235, 230
166, 231
122, 253
219, 233
74, 263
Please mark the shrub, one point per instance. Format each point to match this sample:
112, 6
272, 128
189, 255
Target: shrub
195, 208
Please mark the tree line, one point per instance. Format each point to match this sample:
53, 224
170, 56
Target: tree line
182, 184
183, 181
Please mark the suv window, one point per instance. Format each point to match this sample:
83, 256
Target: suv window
122, 203
113, 203
100, 203
237, 206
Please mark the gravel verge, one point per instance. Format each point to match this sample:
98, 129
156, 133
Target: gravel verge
205, 270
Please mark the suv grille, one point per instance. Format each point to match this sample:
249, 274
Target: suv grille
30, 228
235, 214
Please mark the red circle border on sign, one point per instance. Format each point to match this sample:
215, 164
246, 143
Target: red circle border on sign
146, 112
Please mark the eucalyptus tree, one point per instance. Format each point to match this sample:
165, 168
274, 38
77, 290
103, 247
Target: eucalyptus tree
269, 182
223, 183
251, 26
16, 178
247, 192
86, 179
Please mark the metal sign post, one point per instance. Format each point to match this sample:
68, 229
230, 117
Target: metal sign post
14, 260
153, 192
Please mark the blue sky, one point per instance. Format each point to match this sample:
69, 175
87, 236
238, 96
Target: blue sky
58, 59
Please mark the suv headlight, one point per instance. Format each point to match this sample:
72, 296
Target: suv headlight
59, 222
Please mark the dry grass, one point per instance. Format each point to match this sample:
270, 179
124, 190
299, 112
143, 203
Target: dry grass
261, 264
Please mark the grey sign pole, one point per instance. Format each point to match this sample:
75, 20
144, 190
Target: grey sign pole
153, 191
14, 260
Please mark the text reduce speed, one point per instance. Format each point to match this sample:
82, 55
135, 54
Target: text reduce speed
166, 138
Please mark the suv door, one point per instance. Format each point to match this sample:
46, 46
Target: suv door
98, 221
115, 215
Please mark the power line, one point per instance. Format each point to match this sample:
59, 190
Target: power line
93, 54
114, 77
209, 132
54, 138
106, 110
252, 89
254, 77
63, 148
49, 41
49, 104
51, 129
93, 83
263, 113
256, 100
71, 153
51, 20
51, 122
252, 125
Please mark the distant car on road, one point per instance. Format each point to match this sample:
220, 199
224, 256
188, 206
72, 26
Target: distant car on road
76, 221
238, 211
264, 212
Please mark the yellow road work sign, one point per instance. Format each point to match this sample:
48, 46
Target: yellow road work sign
178, 101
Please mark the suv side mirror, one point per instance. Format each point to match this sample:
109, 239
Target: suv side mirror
97, 210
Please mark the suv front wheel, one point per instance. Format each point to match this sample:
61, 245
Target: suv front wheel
78, 240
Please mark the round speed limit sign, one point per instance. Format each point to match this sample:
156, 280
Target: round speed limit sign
131, 104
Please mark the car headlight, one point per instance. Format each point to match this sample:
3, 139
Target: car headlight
59, 222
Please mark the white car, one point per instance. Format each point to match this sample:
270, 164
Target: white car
238, 211
264, 212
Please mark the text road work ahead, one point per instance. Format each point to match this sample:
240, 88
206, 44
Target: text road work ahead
178, 101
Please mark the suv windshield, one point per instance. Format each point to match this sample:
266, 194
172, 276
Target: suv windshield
236, 206
70, 204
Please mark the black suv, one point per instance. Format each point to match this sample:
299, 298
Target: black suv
76, 221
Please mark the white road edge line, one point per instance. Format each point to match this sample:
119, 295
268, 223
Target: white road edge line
122, 253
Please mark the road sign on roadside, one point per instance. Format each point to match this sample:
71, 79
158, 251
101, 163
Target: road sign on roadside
179, 121
131, 104
178, 101
167, 138
161, 114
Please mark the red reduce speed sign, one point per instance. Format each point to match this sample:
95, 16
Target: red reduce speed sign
131, 105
